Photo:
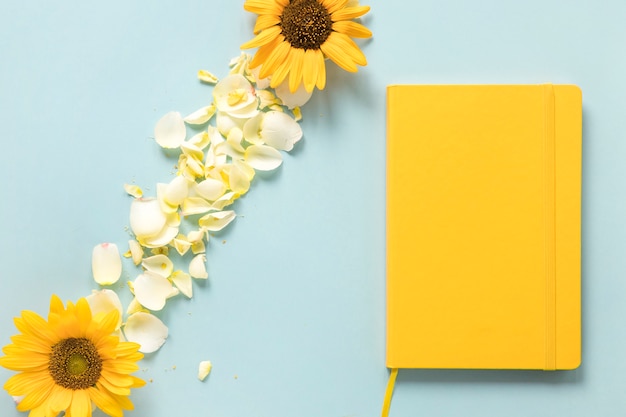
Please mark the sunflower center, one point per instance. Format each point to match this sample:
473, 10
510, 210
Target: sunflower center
75, 363
306, 24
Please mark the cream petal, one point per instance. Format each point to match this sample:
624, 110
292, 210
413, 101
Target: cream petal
176, 191
211, 189
133, 190
295, 99
225, 123
204, 368
170, 130
106, 263
297, 114
197, 267
238, 180
182, 280
207, 77
181, 244
195, 205
134, 306
261, 83
159, 264
152, 290
136, 251
236, 96
165, 237
225, 200
263, 158
280, 130
104, 301
201, 116
146, 330
217, 221
146, 217
198, 247
252, 129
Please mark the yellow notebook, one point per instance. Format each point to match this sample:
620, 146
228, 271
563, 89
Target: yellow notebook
483, 226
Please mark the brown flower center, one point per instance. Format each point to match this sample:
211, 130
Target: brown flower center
75, 363
305, 24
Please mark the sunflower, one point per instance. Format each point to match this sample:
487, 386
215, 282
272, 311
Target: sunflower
295, 36
70, 361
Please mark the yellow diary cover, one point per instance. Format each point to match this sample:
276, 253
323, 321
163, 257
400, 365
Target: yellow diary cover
483, 226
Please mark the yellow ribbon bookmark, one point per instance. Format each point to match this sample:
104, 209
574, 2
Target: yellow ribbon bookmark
389, 391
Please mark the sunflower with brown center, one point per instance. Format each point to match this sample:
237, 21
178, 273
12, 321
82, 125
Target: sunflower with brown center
294, 38
71, 361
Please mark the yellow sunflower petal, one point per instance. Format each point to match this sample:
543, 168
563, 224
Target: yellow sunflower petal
321, 74
265, 21
263, 38
263, 6
352, 29
283, 69
56, 306
37, 326
17, 359
295, 73
334, 5
83, 312
22, 383
31, 343
81, 403
123, 402
310, 68
275, 59
105, 402
60, 398
264, 52
349, 13
112, 388
349, 47
332, 49
38, 393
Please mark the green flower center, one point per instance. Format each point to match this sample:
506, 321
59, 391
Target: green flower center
75, 363
306, 24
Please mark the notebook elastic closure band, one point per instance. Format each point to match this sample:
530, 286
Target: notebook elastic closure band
389, 392
550, 226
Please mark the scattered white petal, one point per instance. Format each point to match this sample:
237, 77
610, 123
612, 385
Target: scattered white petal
170, 130
201, 116
225, 200
195, 205
217, 221
238, 178
162, 239
181, 244
204, 369
275, 129
106, 263
104, 301
18, 399
196, 235
197, 267
146, 217
297, 114
225, 123
289, 99
146, 330
206, 77
133, 190
176, 191
182, 280
235, 96
152, 290
200, 140
134, 306
136, 251
263, 158
159, 264
198, 247
211, 189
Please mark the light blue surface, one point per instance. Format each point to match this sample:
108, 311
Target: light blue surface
292, 316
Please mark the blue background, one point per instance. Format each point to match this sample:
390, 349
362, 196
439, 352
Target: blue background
293, 313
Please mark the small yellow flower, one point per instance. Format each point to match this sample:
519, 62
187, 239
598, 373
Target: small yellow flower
71, 361
295, 36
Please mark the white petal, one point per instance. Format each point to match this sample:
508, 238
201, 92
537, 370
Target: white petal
204, 369
134, 307
289, 99
196, 235
225, 200
238, 179
106, 263
146, 217
152, 290
198, 247
201, 140
162, 239
182, 280
159, 264
201, 115
105, 301
280, 131
207, 77
252, 129
195, 205
197, 267
263, 158
147, 330
225, 123
133, 190
211, 189
136, 251
236, 96
176, 191
181, 244
170, 130
217, 221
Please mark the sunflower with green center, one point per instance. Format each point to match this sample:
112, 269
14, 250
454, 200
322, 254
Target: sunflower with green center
294, 38
70, 361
